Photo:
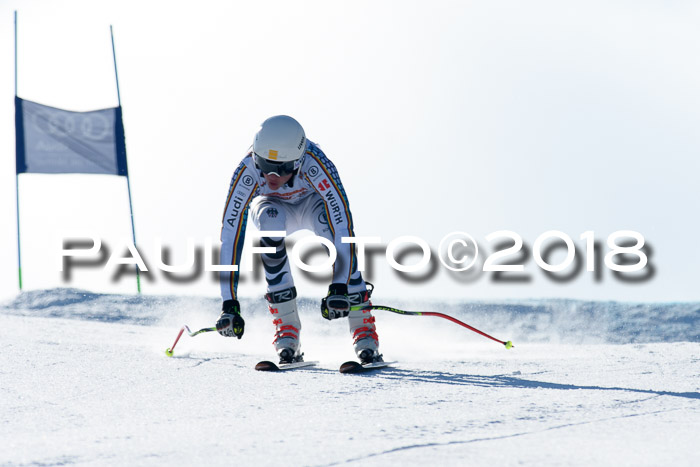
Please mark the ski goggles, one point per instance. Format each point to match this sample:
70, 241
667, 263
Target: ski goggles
274, 167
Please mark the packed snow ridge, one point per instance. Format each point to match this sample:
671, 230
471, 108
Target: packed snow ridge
536, 321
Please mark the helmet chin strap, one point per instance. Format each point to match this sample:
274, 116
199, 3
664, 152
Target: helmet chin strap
290, 182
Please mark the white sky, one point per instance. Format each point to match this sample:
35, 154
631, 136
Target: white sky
441, 117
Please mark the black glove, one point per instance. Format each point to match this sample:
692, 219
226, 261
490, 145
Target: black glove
336, 304
230, 322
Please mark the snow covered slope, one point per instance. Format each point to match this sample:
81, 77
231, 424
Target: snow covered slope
84, 380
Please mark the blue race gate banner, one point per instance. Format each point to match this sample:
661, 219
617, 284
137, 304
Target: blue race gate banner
51, 140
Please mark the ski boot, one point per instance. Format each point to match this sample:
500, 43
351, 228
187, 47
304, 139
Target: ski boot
285, 317
363, 329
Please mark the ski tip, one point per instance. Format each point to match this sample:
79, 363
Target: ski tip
355, 367
350, 367
266, 366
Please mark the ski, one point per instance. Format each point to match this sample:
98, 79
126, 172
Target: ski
356, 367
269, 366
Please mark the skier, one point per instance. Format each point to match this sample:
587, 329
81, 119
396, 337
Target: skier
289, 184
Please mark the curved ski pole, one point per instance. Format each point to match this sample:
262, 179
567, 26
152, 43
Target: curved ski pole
507, 344
169, 351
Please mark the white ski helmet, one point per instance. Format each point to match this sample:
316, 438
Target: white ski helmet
279, 145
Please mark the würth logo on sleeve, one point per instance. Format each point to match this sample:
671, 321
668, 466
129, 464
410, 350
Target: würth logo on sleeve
324, 185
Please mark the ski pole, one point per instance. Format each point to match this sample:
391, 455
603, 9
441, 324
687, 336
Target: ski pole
169, 351
507, 344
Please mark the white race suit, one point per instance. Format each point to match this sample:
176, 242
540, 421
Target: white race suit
312, 199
